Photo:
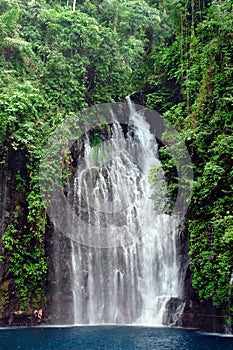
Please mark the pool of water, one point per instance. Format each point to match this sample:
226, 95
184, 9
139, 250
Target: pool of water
110, 338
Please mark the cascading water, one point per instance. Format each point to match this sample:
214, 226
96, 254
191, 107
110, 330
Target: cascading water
131, 271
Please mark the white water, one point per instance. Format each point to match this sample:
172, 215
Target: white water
131, 271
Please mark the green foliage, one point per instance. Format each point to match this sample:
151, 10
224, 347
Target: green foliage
20, 109
55, 61
199, 60
160, 196
211, 258
164, 181
25, 248
96, 141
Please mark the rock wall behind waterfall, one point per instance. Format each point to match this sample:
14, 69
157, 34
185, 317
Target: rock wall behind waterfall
123, 259
197, 313
12, 201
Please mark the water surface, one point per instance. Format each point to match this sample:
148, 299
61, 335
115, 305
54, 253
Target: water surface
110, 338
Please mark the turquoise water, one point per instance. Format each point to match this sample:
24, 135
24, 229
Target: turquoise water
110, 338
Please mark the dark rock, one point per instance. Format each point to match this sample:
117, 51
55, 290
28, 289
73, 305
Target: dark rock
173, 313
201, 314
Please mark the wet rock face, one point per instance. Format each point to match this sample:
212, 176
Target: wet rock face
6, 185
191, 311
5, 205
12, 201
200, 314
138, 98
173, 314
59, 291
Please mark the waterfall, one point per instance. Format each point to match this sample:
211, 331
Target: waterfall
131, 271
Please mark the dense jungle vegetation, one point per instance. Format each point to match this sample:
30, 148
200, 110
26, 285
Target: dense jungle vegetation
58, 57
